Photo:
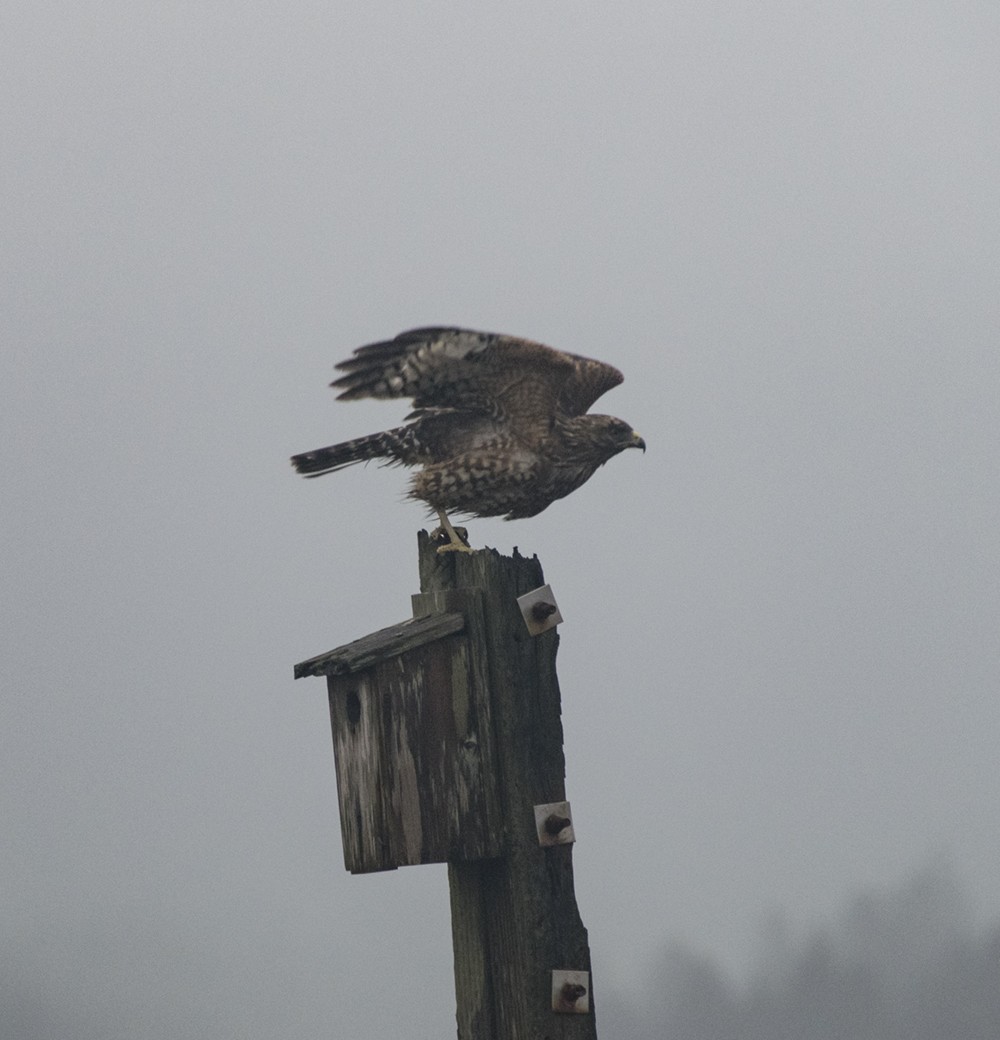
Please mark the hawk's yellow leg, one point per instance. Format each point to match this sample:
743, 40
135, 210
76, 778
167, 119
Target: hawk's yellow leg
454, 543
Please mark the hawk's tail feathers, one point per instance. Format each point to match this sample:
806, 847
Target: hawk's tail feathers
388, 445
337, 456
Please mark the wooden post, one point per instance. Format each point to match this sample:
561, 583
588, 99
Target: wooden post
514, 917
448, 748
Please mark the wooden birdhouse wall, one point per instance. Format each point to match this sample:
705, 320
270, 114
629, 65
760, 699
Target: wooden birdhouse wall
411, 737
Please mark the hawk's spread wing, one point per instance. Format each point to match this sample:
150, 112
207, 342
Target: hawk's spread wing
588, 381
505, 377
500, 425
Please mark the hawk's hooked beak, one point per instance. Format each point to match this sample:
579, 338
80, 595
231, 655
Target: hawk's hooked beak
638, 442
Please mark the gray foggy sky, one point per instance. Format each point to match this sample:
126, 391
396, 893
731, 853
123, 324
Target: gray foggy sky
781, 656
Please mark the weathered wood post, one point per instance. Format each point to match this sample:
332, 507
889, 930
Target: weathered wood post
448, 744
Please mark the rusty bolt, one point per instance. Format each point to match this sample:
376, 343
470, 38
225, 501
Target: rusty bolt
554, 824
569, 992
572, 992
539, 609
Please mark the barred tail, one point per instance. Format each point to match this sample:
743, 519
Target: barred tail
389, 445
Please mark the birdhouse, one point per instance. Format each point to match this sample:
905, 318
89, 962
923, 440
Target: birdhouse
412, 740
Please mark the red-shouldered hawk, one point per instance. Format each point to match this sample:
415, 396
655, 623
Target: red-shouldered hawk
500, 425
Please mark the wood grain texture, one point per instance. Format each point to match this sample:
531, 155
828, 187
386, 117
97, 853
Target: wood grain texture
415, 780
382, 645
514, 917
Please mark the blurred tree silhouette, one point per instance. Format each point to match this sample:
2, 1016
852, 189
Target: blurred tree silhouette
907, 964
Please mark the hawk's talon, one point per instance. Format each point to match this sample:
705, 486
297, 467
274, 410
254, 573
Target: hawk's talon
452, 539
452, 547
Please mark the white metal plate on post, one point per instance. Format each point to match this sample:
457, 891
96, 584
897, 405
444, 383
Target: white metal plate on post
571, 992
539, 610
554, 824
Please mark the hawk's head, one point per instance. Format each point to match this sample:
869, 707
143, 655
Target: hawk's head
611, 435
600, 437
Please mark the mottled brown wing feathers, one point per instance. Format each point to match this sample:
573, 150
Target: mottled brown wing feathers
459, 369
412, 364
589, 381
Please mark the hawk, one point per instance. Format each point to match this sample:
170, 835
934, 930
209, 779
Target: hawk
499, 425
